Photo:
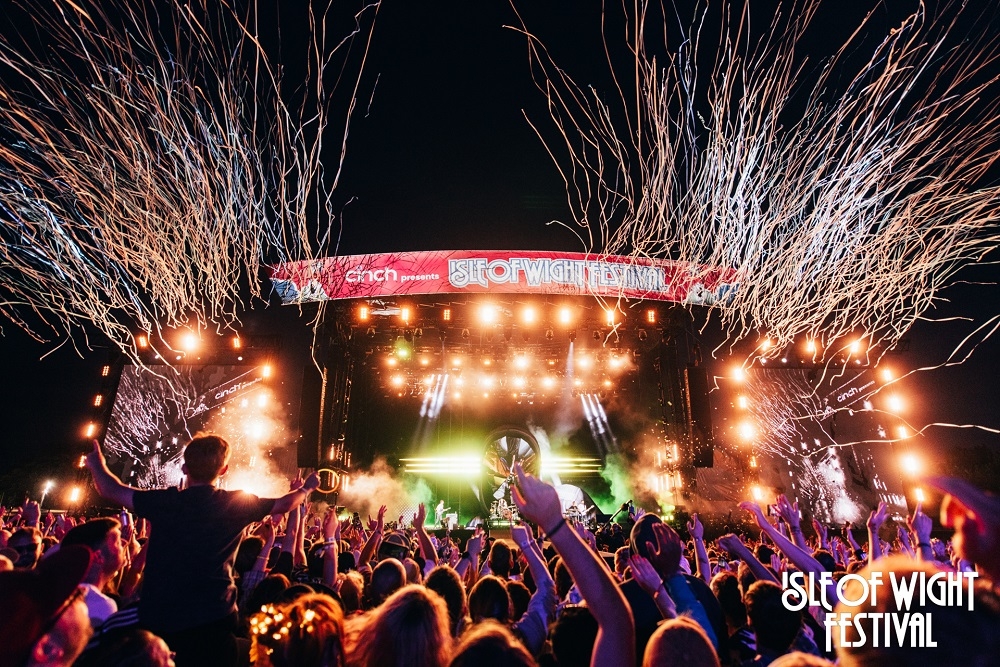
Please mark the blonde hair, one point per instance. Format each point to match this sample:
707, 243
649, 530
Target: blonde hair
410, 629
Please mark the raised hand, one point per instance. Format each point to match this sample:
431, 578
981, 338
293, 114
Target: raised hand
645, 574
331, 524
695, 528
380, 523
419, 518
536, 500
95, 458
475, 546
732, 545
921, 525
665, 555
296, 484
30, 513
520, 535
757, 512
877, 517
311, 482
788, 511
820, 531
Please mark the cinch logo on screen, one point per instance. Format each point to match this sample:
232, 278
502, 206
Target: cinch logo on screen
376, 276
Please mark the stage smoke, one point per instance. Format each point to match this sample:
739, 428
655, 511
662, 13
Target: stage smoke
379, 485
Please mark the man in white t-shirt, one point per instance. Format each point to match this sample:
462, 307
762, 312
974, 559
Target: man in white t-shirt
104, 538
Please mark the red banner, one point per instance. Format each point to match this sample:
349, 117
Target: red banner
500, 272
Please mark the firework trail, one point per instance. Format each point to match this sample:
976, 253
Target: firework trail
152, 159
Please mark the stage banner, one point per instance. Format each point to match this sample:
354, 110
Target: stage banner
501, 272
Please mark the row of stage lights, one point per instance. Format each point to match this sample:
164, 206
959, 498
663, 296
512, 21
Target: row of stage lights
810, 352
487, 384
584, 361
488, 314
471, 465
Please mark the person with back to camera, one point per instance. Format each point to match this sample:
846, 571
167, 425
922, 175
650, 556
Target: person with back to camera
189, 596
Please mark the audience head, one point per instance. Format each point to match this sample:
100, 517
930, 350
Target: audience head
490, 644
726, 588
129, 648
444, 581
27, 542
774, 625
104, 538
489, 599
501, 559
352, 592
205, 458
308, 631
387, 578
573, 635
680, 642
520, 596
409, 628
43, 618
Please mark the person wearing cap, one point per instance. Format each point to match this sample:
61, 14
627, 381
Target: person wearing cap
189, 595
43, 619
104, 538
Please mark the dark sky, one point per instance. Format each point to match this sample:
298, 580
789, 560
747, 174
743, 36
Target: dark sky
443, 158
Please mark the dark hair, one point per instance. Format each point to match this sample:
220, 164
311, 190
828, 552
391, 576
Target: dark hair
573, 635
774, 625
444, 581
92, 534
825, 559
122, 648
490, 644
500, 559
726, 588
205, 457
246, 554
520, 596
489, 599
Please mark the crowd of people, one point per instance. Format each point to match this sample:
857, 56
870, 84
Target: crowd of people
205, 576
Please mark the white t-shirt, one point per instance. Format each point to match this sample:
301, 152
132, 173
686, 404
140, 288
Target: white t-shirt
99, 605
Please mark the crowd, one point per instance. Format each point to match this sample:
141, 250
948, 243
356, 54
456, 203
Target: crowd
204, 576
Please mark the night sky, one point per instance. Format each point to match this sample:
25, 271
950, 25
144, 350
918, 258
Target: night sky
443, 158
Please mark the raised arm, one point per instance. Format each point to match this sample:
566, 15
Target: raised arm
920, 524
649, 580
371, 545
295, 497
789, 513
108, 485
697, 531
331, 546
615, 644
426, 546
734, 546
875, 521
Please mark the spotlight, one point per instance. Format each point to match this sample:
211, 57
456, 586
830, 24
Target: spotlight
237, 343
651, 316
364, 313
529, 315
895, 403
739, 374
811, 346
91, 430
488, 314
758, 495
609, 317
886, 375
743, 402
565, 316
142, 341
266, 371
747, 431
189, 341
918, 495
910, 464
521, 362
397, 381
855, 347
98, 400
74, 494
404, 314
446, 314
765, 344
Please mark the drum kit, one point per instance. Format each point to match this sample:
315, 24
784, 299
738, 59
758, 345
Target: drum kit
501, 510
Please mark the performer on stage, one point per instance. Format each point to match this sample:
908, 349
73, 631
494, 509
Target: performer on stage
439, 513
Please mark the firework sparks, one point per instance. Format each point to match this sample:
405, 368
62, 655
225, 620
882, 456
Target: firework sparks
846, 195
149, 164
